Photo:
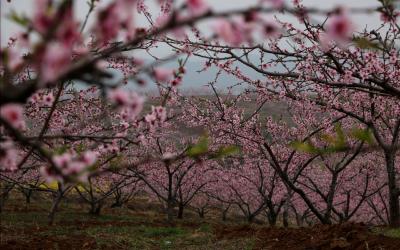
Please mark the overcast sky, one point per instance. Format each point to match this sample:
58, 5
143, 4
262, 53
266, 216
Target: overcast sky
192, 79
27, 6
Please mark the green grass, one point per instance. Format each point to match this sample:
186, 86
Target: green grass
389, 232
133, 233
125, 229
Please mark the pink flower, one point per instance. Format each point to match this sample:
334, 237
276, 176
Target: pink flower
43, 17
231, 33
272, 29
8, 156
340, 27
163, 75
119, 96
278, 4
168, 156
162, 20
68, 33
48, 99
62, 161
130, 102
150, 118
118, 15
89, 158
13, 113
108, 23
160, 112
55, 62
197, 7
177, 81
74, 168
14, 58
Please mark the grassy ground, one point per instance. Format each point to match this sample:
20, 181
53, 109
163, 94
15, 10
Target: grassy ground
116, 228
143, 227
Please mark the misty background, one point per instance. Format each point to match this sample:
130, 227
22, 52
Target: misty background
193, 82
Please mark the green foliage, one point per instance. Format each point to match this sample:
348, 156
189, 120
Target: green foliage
227, 151
80, 148
199, 148
60, 150
363, 135
202, 148
19, 19
335, 143
388, 232
306, 147
364, 43
115, 163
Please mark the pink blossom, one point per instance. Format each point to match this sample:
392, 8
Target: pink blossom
163, 75
68, 32
89, 158
43, 16
168, 156
55, 62
150, 118
231, 32
119, 96
340, 27
162, 20
177, 81
130, 101
118, 15
8, 156
278, 4
62, 161
48, 99
160, 112
14, 59
108, 23
197, 7
14, 114
74, 168
271, 29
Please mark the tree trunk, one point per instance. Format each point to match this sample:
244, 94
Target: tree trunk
53, 209
95, 208
28, 196
394, 208
170, 211
201, 212
180, 211
285, 216
224, 213
271, 218
4, 196
250, 218
116, 204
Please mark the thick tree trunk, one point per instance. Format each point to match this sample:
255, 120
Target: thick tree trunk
201, 213
180, 211
4, 195
116, 204
95, 208
271, 219
225, 213
28, 195
394, 207
250, 218
53, 209
285, 218
170, 211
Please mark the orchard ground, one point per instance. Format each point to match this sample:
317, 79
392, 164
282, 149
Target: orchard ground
142, 225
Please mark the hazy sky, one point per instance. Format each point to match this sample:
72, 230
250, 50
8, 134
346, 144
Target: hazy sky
27, 6
192, 78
